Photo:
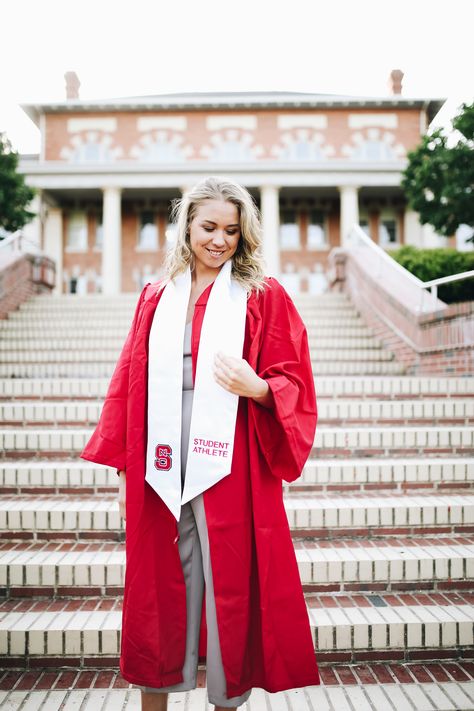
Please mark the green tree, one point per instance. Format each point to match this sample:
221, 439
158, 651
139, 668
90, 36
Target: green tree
439, 180
14, 193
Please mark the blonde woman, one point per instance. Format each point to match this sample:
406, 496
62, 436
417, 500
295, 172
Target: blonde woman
210, 407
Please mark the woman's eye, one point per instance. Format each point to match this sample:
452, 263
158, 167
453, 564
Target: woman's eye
208, 229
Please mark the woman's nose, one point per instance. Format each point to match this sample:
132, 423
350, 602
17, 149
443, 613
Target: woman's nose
218, 237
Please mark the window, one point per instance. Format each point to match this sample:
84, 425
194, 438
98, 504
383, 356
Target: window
289, 230
316, 232
148, 235
77, 231
387, 231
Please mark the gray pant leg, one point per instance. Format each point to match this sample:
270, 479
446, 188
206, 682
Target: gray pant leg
216, 683
191, 560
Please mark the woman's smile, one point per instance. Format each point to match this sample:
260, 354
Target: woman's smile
215, 252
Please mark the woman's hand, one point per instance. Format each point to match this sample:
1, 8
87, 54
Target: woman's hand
121, 494
237, 376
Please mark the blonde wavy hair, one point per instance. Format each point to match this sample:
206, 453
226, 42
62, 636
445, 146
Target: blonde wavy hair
247, 261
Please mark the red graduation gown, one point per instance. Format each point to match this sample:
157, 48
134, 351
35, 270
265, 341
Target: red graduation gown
263, 623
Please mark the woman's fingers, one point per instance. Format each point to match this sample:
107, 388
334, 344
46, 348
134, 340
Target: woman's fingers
235, 375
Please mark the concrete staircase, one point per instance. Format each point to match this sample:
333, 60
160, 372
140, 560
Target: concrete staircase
382, 519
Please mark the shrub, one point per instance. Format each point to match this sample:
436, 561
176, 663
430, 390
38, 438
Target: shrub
433, 263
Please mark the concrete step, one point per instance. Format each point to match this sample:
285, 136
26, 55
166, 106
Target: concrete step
330, 475
105, 370
110, 355
128, 305
133, 296
109, 333
72, 568
112, 342
96, 320
403, 412
318, 515
338, 442
440, 686
353, 628
124, 301
375, 474
125, 313
378, 514
356, 387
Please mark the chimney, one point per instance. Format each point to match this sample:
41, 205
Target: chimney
395, 81
72, 85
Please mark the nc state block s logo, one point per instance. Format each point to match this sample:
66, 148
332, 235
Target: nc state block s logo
163, 461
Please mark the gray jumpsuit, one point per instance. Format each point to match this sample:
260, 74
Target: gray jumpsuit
194, 553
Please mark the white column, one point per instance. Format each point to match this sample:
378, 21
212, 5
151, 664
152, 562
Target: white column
53, 243
349, 210
32, 230
112, 241
412, 228
270, 210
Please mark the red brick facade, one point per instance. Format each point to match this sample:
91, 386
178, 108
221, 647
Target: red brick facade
310, 147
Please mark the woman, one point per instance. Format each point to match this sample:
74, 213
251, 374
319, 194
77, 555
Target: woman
211, 405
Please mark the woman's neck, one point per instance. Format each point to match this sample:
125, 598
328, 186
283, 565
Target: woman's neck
201, 278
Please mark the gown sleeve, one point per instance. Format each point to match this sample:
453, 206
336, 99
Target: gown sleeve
108, 442
285, 430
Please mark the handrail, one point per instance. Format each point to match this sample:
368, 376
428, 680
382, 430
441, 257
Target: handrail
410, 289
357, 234
17, 242
433, 284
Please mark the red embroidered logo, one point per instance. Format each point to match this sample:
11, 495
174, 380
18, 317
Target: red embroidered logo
163, 460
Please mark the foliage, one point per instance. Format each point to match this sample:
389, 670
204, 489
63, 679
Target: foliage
14, 193
433, 263
439, 180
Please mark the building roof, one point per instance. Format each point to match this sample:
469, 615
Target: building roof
228, 100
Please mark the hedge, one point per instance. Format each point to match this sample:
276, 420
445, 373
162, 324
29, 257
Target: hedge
433, 263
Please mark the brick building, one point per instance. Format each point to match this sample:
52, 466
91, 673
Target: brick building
315, 164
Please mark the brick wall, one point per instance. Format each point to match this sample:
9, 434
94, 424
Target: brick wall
438, 342
196, 137
22, 277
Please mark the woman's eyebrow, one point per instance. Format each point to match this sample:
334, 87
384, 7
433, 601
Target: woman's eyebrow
215, 223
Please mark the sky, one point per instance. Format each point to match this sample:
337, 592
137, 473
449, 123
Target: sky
140, 47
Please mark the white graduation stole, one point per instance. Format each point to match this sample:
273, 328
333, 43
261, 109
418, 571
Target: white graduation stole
211, 438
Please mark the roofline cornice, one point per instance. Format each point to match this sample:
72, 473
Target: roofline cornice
231, 102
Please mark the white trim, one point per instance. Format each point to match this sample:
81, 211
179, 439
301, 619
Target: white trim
107, 123
138, 175
172, 123
218, 122
299, 120
364, 120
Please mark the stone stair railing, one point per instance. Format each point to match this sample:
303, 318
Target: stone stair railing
425, 334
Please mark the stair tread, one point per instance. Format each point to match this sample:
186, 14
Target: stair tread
94, 554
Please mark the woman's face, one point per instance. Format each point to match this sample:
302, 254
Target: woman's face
214, 234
